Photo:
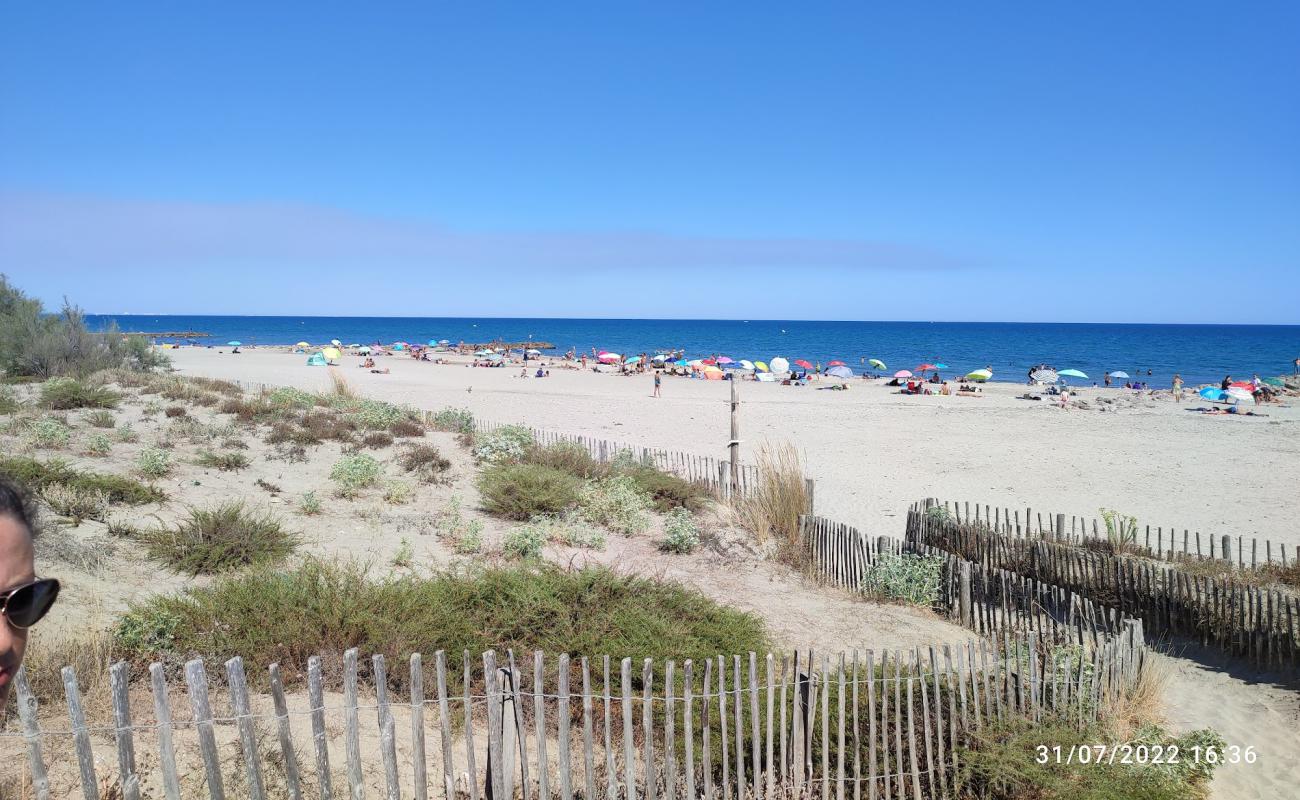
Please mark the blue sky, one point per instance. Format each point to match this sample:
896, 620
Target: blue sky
1104, 161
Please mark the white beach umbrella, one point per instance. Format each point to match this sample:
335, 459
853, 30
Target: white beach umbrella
746, 364
779, 364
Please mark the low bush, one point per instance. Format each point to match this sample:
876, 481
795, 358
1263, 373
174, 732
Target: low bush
524, 491
466, 536
354, 473
75, 502
210, 541
98, 444
38, 475
324, 607
377, 439
153, 462
127, 434
405, 555
508, 444
617, 503
681, 534
569, 457
907, 577
289, 397
524, 541
318, 426
667, 491
172, 412
454, 420
567, 529
375, 415
101, 418
397, 492
310, 504
425, 461
407, 427
48, 433
63, 394
226, 462
9, 402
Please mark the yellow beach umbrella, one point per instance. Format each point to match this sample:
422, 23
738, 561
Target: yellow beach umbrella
760, 366
979, 375
331, 353
302, 344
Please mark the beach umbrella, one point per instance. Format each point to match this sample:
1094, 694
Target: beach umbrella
532, 351
802, 363
746, 364
940, 366
332, 353
1238, 393
1045, 375
681, 362
760, 366
840, 372
725, 360
355, 344
658, 357
1213, 394
835, 364
1071, 373
779, 364
235, 343
317, 360
877, 363
610, 357
363, 350
443, 341
1275, 382
433, 343
302, 344
1119, 374
634, 360
902, 373
708, 362
980, 375
1242, 385
925, 368
336, 342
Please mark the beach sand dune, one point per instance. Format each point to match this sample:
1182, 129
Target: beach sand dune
873, 451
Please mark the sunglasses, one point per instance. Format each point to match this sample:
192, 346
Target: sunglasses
24, 605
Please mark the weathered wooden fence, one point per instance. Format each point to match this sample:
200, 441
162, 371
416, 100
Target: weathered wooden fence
873, 724
1236, 616
1159, 542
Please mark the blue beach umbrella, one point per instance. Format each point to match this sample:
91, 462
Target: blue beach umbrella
1213, 394
1119, 374
840, 372
1071, 373
234, 344
940, 366
433, 342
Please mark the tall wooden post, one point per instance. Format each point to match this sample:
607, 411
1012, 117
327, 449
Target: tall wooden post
734, 445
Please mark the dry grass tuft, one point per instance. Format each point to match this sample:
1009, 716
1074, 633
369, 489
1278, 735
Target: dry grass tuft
339, 386
1143, 705
772, 512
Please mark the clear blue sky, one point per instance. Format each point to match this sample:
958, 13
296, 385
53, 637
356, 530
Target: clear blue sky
1102, 161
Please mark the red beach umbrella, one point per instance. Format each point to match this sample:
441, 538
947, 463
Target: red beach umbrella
836, 364
925, 368
801, 363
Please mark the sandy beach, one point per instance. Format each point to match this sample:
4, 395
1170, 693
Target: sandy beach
873, 451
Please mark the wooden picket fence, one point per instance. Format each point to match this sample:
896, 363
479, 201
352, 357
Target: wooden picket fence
1159, 542
811, 725
1260, 623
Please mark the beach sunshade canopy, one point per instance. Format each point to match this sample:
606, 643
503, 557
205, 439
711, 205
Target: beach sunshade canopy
633, 360
725, 360
799, 362
433, 343
608, 357
317, 360
1119, 374
363, 349
1275, 382
940, 366
1238, 393
902, 373
1242, 385
1071, 373
1045, 375
979, 375
532, 351
925, 368
746, 364
658, 357
835, 364
877, 363
302, 344
760, 366
336, 342
1213, 394
681, 362
443, 341
332, 353
235, 343
840, 372
779, 364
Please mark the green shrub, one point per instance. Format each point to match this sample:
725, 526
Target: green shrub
289, 397
523, 491
524, 541
681, 534
317, 426
505, 445
425, 461
405, 555
1121, 530
938, 514
153, 462
569, 457
76, 502
101, 419
907, 577
310, 504
398, 492
375, 415
99, 444
466, 536
127, 434
568, 529
454, 420
406, 427
9, 402
322, 607
37, 475
668, 491
617, 503
354, 473
48, 433
215, 540
64, 394
226, 462
377, 439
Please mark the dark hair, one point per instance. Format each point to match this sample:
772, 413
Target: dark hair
16, 503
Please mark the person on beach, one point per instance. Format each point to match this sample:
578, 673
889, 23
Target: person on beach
657, 381
1225, 383
1178, 388
24, 598
1106, 378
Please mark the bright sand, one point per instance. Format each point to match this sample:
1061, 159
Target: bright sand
873, 451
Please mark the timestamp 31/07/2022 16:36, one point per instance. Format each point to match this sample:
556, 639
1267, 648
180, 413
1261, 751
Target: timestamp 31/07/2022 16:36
1154, 754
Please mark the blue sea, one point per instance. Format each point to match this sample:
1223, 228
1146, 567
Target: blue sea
1201, 353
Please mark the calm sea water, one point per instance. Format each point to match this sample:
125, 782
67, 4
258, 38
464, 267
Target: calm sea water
1201, 353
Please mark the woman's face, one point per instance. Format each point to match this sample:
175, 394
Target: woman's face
17, 566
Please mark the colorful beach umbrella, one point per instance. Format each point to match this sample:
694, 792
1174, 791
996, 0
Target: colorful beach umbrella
1119, 374
302, 344
940, 366
608, 357
760, 366
979, 375
633, 360
1238, 393
779, 364
902, 373
1071, 373
725, 360
835, 364
925, 368
332, 353
877, 363
746, 364
840, 372
802, 363
235, 343
1213, 394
